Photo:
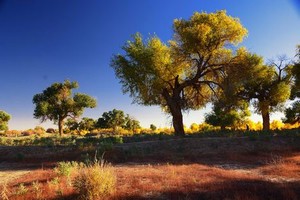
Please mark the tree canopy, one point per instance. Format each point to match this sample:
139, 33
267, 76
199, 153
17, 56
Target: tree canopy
4, 118
267, 86
56, 103
184, 73
117, 119
292, 114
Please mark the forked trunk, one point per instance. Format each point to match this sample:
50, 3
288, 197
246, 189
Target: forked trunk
266, 118
61, 126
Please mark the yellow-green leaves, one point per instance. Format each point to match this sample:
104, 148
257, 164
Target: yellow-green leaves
186, 72
205, 33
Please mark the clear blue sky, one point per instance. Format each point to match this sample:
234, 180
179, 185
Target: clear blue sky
47, 41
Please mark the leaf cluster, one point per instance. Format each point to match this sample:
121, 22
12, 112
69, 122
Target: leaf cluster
57, 102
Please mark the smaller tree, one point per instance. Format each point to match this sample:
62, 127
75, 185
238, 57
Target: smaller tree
132, 124
292, 114
56, 103
87, 124
112, 119
225, 116
153, 127
267, 86
4, 118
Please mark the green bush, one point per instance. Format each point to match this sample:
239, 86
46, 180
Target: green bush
96, 181
66, 168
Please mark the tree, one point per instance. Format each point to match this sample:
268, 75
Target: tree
224, 115
184, 73
268, 86
4, 118
296, 76
131, 124
153, 127
56, 103
292, 114
87, 124
112, 119
228, 108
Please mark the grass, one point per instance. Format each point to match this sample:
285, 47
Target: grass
172, 181
95, 182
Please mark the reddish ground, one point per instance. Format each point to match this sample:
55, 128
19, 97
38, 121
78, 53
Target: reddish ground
228, 168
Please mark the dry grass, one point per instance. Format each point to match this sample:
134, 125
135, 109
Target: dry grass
218, 174
185, 181
95, 182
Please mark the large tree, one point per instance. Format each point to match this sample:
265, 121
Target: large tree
182, 74
4, 118
56, 103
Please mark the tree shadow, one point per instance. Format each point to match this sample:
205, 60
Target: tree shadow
228, 189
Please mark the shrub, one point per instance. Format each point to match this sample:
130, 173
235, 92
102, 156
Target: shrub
50, 130
12, 133
29, 132
66, 168
21, 190
4, 192
95, 182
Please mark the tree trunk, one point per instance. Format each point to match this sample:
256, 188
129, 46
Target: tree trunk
175, 109
61, 126
266, 118
223, 127
177, 121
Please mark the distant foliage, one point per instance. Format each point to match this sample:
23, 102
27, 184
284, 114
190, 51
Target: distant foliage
292, 114
117, 120
153, 127
4, 118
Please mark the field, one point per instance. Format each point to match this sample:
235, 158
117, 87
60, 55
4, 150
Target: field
265, 167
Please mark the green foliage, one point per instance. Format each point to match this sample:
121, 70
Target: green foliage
268, 86
292, 114
4, 118
131, 124
227, 113
153, 127
184, 73
95, 182
296, 76
116, 119
87, 124
112, 119
56, 103
59, 141
66, 168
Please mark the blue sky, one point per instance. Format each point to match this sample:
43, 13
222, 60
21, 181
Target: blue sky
47, 41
